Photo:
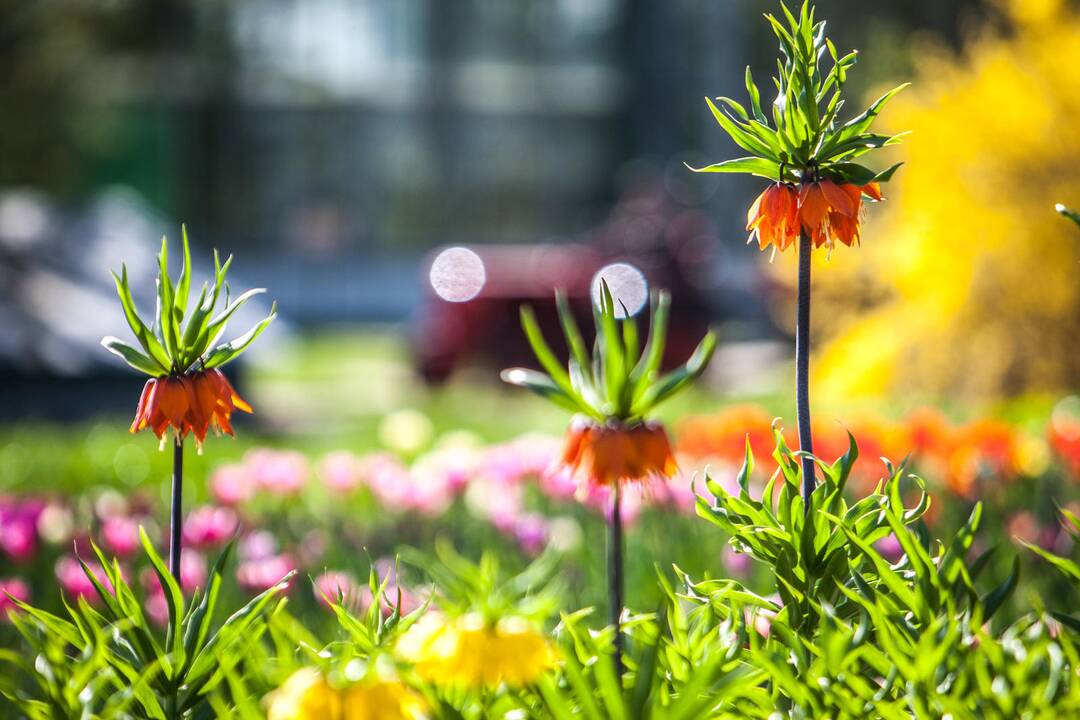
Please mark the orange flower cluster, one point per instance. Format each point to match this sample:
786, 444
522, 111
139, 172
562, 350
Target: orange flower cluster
190, 403
827, 211
616, 453
1064, 435
967, 457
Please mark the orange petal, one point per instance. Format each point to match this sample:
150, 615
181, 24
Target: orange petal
173, 402
754, 214
839, 200
813, 207
142, 414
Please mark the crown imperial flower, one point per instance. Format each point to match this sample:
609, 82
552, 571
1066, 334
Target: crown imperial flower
187, 393
610, 441
803, 147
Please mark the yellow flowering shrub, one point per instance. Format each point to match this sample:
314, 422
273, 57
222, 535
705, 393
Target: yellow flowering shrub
968, 285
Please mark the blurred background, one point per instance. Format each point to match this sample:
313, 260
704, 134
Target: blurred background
402, 174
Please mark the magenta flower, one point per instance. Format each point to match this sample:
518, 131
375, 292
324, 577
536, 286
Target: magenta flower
120, 535
209, 526
18, 538
889, 547
254, 576
341, 472
74, 582
499, 501
232, 485
337, 587
193, 575
388, 479
736, 563
529, 456
279, 472
18, 527
559, 483
12, 587
258, 545
531, 532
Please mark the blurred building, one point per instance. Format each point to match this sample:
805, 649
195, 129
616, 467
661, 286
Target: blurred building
332, 143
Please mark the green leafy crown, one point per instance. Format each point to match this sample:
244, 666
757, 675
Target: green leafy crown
169, 346
805, 136
620, 381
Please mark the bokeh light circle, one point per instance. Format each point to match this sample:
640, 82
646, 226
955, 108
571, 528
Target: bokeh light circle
628, 287
457, 274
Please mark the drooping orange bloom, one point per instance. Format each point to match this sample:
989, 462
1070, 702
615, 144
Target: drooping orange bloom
774, 217
829, 211
616, 453
191, 403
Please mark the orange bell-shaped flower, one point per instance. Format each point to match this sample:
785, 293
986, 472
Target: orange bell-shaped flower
191, 403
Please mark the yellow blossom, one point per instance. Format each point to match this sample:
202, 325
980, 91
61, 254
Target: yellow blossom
306, 695
382, 700
472, 652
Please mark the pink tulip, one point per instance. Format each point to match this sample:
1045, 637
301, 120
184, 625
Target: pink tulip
338, 588
18, 538
736, 563
209, 526
255, 576
280, 472
120, 535
75, 583
258, 545
12, 587
232, 485
499, 501
388, 479
341, 472
889, 547
531, 533
559, 483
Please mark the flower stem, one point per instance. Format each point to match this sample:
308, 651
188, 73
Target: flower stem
802, 369
615, 573
177, 512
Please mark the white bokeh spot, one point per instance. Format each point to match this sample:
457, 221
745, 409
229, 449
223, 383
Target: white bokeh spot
628, 287
457, 274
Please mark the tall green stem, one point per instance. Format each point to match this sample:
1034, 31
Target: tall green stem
802, 369
615, 573
176, 527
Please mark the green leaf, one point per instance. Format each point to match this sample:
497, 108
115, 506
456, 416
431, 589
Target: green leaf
679, 378
198, 624
574, 341
174, 599
994, 599
183, 286
131, 356
648, 366
858, 125
546, 357
762, 167
739, 135
542, 385
166, 307
142, 333
225, 353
